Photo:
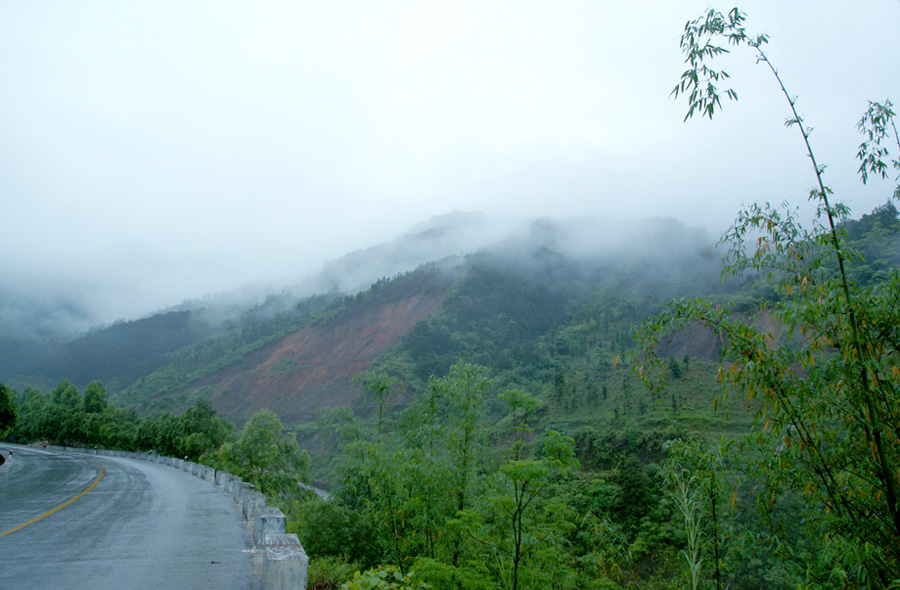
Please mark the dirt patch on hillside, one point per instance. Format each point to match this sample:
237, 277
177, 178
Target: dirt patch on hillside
699, 342
313, 367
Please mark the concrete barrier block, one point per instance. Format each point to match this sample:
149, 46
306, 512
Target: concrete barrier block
231, 483
240, 491
269, 521
221, 479
250, 502
285, 564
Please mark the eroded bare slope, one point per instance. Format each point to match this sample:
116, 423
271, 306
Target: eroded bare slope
313, 367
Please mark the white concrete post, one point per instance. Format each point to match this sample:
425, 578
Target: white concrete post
285, 564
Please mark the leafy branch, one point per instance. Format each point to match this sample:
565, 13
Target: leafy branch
837, 394
876, 126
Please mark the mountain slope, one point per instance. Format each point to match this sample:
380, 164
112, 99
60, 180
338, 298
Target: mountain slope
548, 307
313, 367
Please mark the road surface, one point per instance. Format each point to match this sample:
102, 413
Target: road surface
139, 526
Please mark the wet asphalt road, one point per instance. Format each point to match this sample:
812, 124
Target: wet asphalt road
143, 526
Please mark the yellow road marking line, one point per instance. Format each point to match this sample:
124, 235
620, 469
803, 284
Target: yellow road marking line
61, 506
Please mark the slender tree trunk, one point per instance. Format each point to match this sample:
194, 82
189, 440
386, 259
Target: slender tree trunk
716, 542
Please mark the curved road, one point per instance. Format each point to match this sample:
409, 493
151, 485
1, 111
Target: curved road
141, 526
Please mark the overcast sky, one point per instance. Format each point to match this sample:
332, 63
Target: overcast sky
152, 151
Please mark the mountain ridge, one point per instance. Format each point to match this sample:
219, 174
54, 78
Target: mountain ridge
536, 303
200, 352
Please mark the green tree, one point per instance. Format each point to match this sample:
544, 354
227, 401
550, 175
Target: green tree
375, 482
8, 413
525, 480
409, 488
63, 420
31, 411
379, 386
66, 395
266, 456
94, 400
830, 406
200, 430
674, 368
332, 529
693, 475
464, 389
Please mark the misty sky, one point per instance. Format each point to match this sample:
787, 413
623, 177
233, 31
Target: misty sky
152, 151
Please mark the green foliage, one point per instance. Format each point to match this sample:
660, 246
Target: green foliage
66, 395
67, 417
265, 456
827, 396
442, 507
379, 387
8, 413
328, 572
876, 126
31, 410
332, 529
383, 578
692, 475
515, 501
674, 368
444, 576
94, 398
200, 430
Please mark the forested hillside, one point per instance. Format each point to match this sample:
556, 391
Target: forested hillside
550, 309
518, 306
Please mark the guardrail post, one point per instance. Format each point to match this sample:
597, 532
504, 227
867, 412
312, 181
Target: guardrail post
239, 492
269, 521
285, 564
251, 501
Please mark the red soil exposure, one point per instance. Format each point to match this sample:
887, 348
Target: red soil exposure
702, 343
313, 367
